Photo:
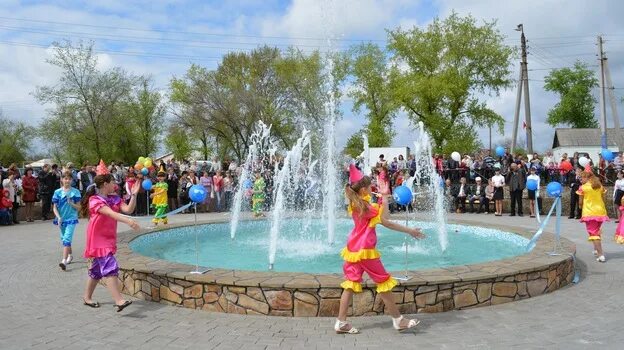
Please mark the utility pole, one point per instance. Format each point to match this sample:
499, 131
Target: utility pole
613, 103
603, 107
523, 84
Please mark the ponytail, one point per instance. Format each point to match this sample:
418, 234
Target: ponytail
91, 191
357, 204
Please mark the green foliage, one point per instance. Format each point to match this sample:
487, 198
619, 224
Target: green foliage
15, 140
440, 72
576, 105
146, 114
177, 141
371, 90
354, 146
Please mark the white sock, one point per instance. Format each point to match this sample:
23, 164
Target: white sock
69, 259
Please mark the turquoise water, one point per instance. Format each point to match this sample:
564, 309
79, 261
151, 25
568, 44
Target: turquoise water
298, 250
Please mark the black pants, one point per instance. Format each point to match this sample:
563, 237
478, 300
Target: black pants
575, 211
14, 212
46, 205
460, 203
516, 198
482, 201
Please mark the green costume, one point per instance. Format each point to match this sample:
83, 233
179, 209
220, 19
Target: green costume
257, 201
160, 202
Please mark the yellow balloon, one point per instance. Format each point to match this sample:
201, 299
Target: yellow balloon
148, 163
141, 160
148, 159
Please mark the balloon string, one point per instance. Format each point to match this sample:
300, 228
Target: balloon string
539, 232
173, 212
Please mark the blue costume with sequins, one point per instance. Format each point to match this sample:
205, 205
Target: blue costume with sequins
69, 214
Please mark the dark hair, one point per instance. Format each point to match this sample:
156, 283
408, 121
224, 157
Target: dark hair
27, 170
68, 174
352, 192
98, 181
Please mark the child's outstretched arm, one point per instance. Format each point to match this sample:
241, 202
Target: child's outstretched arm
385, 221
109, 212
129, 208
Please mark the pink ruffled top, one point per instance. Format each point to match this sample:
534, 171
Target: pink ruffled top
102, 229
362, 241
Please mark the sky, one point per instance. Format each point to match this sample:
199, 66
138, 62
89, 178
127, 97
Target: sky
162, 39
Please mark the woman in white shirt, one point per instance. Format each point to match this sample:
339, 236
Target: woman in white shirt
498, 181
618, 192
533, 194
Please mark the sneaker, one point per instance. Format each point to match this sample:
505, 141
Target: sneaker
62, 265
601, 259
69, 259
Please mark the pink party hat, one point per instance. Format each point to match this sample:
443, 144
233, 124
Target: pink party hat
355, 174
101, 169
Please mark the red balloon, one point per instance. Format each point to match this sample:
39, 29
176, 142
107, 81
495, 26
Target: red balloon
151, 168
566, 165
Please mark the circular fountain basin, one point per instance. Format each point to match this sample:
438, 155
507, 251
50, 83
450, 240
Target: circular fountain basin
481, 266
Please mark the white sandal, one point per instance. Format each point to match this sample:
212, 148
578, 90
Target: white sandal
345, 327
396, 323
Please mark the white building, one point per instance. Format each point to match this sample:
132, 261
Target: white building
582, 141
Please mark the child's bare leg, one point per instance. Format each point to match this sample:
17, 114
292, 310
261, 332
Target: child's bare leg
88, 294
345, 300
598, 247
112, 284
66, 252
532, 207
388, 300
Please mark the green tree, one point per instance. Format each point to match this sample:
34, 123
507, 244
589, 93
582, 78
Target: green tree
87, 114
15, 140
146, 114
354, 146
574, 87
371, 90
177, 141
440, 73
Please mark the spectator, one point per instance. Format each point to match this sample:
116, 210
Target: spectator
29, 197
498, 181
6, 205
86, 178
460, 193
516, 180
172, 188
47, 183
575, 184
477, 193
9, 184
228, 190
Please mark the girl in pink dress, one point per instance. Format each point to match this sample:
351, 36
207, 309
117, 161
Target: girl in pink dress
361, 254
383, 181
102, 205
619, 231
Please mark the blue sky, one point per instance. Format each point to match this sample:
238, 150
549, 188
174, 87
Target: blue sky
162, 38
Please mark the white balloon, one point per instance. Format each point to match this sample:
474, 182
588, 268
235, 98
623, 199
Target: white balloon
456, 156
583, 161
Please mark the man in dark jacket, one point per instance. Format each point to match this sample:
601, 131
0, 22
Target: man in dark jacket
477, 193
47, 185
574, 178
517, 182
461, 191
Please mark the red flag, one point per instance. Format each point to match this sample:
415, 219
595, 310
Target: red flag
524, 124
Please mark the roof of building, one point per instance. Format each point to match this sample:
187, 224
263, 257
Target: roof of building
582, 137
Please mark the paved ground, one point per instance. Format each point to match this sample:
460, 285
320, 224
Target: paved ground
41, 308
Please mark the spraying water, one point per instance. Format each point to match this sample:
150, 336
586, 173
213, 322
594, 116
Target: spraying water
366, 156
261, 144
283, 186
428, 183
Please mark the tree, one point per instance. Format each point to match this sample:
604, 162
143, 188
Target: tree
576, 105
146, 114
354, 146
440, 73
86, 116
15, 140
178, 142
371, 90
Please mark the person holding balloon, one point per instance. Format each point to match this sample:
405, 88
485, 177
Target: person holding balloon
361, 254
594, 210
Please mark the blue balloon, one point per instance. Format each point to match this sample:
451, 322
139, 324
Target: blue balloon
145, 171
197, 193
402, 195
441, 180
147, 184
500, 151
607, 155
554, 189
531, 185
247, 184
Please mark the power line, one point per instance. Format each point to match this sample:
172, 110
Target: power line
186, 32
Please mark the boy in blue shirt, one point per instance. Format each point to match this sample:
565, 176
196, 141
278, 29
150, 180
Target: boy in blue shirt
66, 202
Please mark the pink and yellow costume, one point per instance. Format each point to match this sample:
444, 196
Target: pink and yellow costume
594, 211
619, 231
361, 254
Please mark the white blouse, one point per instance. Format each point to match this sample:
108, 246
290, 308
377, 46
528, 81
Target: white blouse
619, 185
498, 180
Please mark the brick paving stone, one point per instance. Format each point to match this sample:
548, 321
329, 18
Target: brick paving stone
41, 308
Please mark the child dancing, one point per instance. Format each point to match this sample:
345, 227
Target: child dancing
361, 255
66, 203
102, 205
594, 212
159, 198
